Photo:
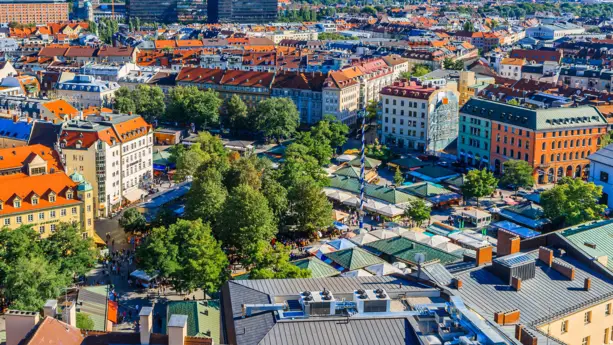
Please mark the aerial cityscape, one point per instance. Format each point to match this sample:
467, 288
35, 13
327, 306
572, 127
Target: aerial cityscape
306, 172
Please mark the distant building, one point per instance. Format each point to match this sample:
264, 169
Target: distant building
242, 11
601, 173
34, 11
84, 91
305, 89
416, 117
164, 11
554, 31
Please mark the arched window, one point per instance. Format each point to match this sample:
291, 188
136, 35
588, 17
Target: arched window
542, 159
564, 156
552, 157
553, 144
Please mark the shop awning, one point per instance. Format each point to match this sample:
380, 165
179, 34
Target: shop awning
135, 195
98, 240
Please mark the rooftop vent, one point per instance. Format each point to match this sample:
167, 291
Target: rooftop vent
517, 265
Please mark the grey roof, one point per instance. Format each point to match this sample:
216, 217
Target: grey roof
252, 330
603, 156
355, 332
535, 119
548, 294
45, 133
278, 287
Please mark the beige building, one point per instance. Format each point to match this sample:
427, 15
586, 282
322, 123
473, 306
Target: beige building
35, 191
83, 91
341, 96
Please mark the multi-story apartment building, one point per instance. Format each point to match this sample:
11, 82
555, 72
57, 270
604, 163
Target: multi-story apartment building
511, 68
112, 151
590, 78
555, 141
34, 11
35, 191
341, 96
418, 117
83, 91
305, 89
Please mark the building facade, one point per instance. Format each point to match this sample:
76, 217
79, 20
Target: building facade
164, 11
35, 191
83, 91
34, 11
417, 117
555, 141
305, 90
114, 152
242, 11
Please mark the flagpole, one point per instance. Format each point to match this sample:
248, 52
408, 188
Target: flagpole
362, 176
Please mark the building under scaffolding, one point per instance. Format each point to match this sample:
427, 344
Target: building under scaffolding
418, 117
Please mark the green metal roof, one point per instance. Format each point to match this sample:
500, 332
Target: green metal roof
353, 258
318, 268
435, 171
391, 195
457, 181
92, 300
425, 189
405, 250
408, 163
535, 119
349, 171
369, 163
202, 317
599, 234
161, 157
528, 209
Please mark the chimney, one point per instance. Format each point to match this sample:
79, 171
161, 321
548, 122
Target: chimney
484, 255
50, 308
499, 317
511, 317
458, 283
564, 269
516, 283
146, 324
525, 336
508, 243
177, 329
587, 284
546, 256
69, 314
18, 324
15, 118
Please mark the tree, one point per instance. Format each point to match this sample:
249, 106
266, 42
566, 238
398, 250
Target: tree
277, 118
468, 26
132, 221
67, 247
245, 220
369, 10
243, 171
514, 101
572, 201
187, 254
606, 139
417, 211
371, 110
309, 208
236, 112
188, 161
144, 100
205, 199
517, 174
478, 184
450, 64
189, 104
273, 263
300, 165
275, 194
406, 75
318, 145
123, 101
421, 70
84, 321
398, 178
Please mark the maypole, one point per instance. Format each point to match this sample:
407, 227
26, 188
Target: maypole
362, 175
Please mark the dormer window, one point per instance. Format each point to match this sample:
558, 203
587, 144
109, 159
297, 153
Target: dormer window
69, 195
52, 197
1, 205
17, 203
34, 200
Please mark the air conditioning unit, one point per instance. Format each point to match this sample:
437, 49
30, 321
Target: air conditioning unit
318, 303
371, 301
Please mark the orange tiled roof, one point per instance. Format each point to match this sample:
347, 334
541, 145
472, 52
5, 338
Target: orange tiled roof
513, 61
60, 107
132, 129
96, 111
16, 157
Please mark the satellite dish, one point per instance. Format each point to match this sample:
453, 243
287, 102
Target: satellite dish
419, 258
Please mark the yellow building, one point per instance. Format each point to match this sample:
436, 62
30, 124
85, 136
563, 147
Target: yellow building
35, 191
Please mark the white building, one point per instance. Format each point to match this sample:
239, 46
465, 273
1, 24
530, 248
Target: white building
112, 151
84, 91
417, 117
601, 173
341, 97
554, 31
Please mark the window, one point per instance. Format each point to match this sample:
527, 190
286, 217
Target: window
30, 218
587, 317
18, 220
604, 177
544, 147
51, 197
41, 229
74, 210
52, 214
585, 341
41, 216
607, 311
7, 221
553, 144
69, 195
564, 326
542, 159
606, 335
63, 212
34, 200
52, 228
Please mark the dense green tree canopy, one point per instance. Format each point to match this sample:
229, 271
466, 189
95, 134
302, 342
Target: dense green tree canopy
273, 263
192, 105
132, 221
478, 184
276, 118
572, 201
517, 173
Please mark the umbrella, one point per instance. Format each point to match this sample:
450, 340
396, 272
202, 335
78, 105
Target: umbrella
390, 225
356, 273
363, 238
384, 234
399, 265
449, 247
414, 236
390, 211
340, 226
339, 196
339, 215
349, 235
321, 250
398, 230
382, 269
435, 240
341, 244
353, 201
360, 231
